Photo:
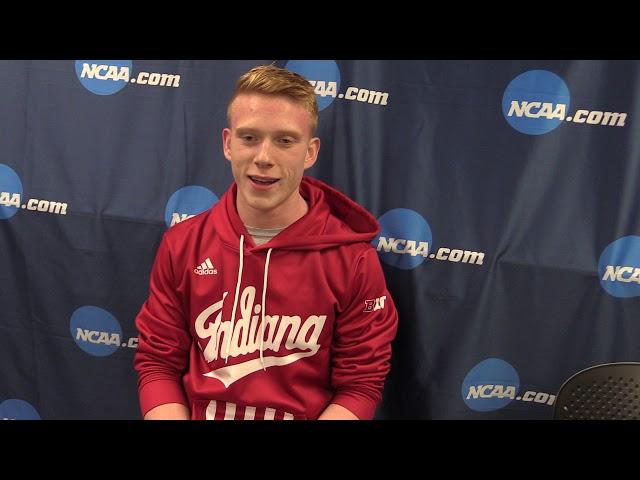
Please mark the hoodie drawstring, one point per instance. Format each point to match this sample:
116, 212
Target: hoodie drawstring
235, 299
264, 296
235, 302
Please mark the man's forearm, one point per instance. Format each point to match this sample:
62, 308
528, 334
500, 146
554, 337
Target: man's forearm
168, 411
337, 412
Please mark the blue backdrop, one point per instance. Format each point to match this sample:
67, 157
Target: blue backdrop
505, 190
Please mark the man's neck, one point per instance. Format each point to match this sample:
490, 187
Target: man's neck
283, 216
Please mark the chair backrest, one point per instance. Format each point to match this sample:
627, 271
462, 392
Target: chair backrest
603, 392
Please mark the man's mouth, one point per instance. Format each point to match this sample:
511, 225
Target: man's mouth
263, 180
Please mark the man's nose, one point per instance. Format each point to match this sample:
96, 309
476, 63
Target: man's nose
263, 157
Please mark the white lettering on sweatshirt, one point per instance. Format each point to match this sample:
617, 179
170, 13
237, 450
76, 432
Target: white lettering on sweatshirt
245, 337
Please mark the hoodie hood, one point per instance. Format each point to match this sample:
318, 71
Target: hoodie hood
333, 219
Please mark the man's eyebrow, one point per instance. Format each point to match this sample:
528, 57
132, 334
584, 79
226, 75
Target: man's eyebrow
280, 133
290, 133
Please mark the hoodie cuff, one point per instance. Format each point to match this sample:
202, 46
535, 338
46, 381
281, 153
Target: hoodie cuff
361, 407
160, 392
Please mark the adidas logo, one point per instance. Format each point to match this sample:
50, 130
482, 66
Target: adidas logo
205, 268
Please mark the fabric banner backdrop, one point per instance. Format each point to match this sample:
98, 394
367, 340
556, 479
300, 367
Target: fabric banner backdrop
505, 191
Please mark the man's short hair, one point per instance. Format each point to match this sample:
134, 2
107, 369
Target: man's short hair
272, 80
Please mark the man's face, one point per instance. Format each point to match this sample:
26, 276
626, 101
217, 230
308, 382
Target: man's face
269, 145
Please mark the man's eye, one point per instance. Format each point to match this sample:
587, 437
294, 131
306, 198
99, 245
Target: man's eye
247, 138
286, 140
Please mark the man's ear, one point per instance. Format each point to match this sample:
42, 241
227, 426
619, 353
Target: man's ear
312, 153
226, 143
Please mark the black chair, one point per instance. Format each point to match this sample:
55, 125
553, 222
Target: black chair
603, 392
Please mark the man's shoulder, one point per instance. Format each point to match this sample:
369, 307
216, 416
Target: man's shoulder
355, 250
190, 228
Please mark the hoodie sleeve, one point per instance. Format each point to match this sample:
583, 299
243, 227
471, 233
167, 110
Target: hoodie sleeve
164, 340
361, 347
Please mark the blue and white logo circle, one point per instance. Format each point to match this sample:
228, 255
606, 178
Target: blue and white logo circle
536, 102
491, 385
619, 267
10, 192
15, 409
323, 74
405, 238
104, 77
187, 202
95, 330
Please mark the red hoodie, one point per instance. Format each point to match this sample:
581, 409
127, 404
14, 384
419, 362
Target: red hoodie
315, 293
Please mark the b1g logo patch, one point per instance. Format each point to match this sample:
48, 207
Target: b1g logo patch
375, 304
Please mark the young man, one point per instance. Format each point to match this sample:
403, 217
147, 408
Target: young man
291, 319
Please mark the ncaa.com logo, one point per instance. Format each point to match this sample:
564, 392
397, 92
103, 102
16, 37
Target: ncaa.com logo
12, 198
106, 77
538, 101
325, 76
619, 267
493, 384
97, 332
187, 202
405, 242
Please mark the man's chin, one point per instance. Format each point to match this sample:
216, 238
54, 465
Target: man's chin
262, 205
